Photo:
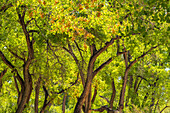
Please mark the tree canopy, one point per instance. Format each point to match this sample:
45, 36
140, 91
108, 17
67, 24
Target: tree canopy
84, 56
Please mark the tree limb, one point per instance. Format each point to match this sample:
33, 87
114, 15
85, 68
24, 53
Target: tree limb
113, 94
3, 73
102, 66
15, 54
16, 84
94, 95
33, 31
164, 108
5, 7
144, 54
77, 62
6, 61
105, 98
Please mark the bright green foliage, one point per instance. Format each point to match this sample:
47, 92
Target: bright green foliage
66, 30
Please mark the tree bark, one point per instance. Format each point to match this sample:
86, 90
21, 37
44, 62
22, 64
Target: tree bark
113, 94
37, 90
64, 103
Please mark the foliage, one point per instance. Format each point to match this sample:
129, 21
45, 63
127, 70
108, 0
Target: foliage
89, 55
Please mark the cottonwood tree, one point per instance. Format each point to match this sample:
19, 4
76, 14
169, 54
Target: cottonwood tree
46, 44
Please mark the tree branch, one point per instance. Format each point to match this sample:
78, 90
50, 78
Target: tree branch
6, 61
46, 95
5, 7
24, 28
105, 98
164, 108
94, 95
64, 103
72, 83
37, 90
3, 73
79, 50
113, 94
107, 44
77, 62
29, 21
12, 67
104, 64
16, 84
15, 54
33, 31
144, 54
101, 109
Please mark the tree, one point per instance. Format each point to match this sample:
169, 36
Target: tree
69, 49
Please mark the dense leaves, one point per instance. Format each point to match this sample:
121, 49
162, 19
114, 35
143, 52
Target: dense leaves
84, 56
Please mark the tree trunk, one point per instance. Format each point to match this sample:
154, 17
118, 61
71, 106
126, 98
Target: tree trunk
37, 90
83, 97
64, 103
122, 94
27, 89
25, 98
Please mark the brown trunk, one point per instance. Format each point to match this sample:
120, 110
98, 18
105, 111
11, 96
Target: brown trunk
64, 103
113, 94
25, 98
94, 95
89, 101
91, 74
82, 98
37, 90
27, 88
122, 94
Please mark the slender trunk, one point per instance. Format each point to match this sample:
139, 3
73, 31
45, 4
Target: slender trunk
37, 90
122, 94
64, 103
94, 95
113, 94
89, 101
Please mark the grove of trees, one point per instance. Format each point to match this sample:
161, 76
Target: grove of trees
84, 56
